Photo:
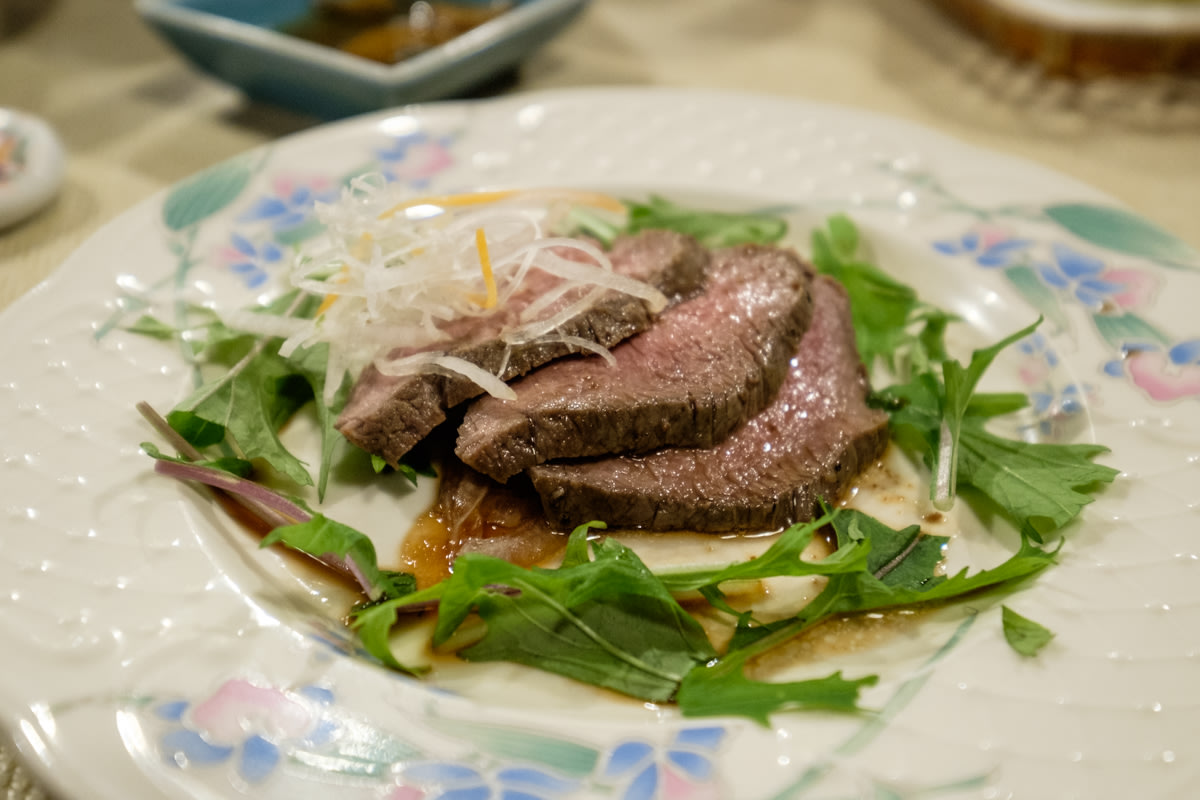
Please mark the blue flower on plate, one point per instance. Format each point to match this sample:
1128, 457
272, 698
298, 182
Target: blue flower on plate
291, 203
1080, 275
250, 260
989, 246
1164, 374
441, 780
1066, 401
684, 768
415, 158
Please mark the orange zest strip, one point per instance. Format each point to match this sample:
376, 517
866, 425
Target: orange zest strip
594, 199
325, 304
485, 266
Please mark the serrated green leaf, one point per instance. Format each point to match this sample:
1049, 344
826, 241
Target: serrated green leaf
206, 193
321, 536
1042, 485
710, 228
1024, 635
1037, 485
311, 363
234, 466
709, 691
902, 571
1124, 232
608, 622
199, 432
251, 406
843, 236
959, 384
890, 323
782, 558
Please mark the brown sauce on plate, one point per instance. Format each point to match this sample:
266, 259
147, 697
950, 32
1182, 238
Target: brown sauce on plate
390, 31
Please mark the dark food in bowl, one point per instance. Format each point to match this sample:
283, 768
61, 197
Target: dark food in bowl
390, 31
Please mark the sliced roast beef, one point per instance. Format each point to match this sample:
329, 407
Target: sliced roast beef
701, 370
808, 444
388, 415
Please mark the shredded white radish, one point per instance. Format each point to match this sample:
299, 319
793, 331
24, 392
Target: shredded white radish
584, 344
264, 324
394, 270
447, 365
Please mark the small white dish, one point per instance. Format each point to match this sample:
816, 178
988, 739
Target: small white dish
31, 165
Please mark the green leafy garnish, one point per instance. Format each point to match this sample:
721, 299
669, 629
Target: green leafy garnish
935, 411
890, 323
322, 537
607, 621
959, 386
234, 466
257, 392
1024, 635
710, 228
1039, 486
603, 617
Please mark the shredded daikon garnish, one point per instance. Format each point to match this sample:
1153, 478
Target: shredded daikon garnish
396, 272
443, 364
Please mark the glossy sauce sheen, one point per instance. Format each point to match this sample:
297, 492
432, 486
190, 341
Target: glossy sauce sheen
475, 514
389, 31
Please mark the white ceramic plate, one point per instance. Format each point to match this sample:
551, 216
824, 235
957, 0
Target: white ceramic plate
150, 649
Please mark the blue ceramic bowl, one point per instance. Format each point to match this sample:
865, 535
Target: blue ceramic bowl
239, 42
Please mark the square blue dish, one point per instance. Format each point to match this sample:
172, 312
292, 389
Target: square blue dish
242, 42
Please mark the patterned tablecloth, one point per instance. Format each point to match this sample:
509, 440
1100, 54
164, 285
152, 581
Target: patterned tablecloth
134, 118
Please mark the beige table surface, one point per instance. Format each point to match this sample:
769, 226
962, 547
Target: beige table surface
135, 118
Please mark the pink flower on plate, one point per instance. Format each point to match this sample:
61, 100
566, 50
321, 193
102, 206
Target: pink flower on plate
1137, 288
1161, 377
248, 725
239, 706
416, 158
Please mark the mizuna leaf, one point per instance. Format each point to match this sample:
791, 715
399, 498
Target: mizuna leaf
709, 691
321, 537
959, 384
607, 621
250, 407
901, 571
710, 228
1023, 635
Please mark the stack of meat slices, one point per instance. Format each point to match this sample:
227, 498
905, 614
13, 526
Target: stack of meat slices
739, 407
